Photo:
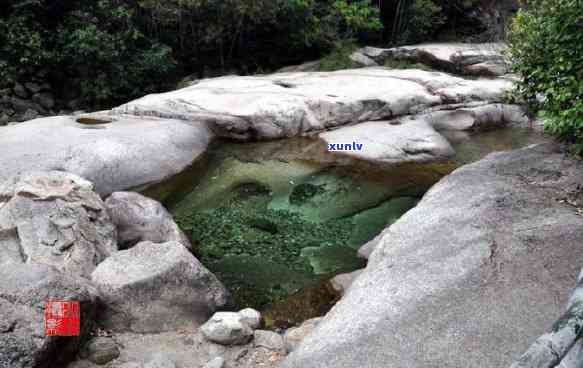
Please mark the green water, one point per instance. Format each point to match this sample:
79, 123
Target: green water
275, 220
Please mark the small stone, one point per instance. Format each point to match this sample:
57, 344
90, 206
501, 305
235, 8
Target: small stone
251, 317
44, 99
342, 282
227, 328
20, 91
160, 361
30, 114
4, 119
362, 60
33, 87
217, 362
294, 336
100, 350
269, 340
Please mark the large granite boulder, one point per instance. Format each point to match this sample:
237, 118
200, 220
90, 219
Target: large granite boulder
125, 153
139, 218
24, 291
483, 59
289, 104
54, 218
156, 287
468, 278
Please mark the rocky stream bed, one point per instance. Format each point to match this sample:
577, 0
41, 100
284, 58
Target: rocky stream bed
470, 252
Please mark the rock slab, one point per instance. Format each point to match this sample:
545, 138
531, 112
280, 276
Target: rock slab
156, 287
127, 153
54, 218
468, 278
24, 291
139, 218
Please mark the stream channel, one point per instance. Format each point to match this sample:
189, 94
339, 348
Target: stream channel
275, 221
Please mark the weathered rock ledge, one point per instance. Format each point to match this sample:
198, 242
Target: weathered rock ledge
470, 277
155, 137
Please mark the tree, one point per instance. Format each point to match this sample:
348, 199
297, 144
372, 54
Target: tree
546, 46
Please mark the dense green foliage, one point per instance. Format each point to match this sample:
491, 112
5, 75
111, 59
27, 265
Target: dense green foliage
546, 46
249, 228
109, 51
256, 251
94, 45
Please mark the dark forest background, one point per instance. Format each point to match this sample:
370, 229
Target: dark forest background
108, 51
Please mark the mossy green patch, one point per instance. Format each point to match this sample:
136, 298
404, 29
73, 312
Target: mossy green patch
256, 251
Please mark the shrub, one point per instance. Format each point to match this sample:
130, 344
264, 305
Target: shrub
339, 58
546, 46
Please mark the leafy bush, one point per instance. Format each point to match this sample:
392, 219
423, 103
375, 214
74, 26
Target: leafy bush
109, 51
424, 17
93, 48
546, 46
339, 58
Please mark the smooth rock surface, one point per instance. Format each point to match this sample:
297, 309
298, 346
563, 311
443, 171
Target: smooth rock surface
217, 362
54, 218
227, 328
295, 335
156, 287
468, 278
24, 290
100, 350
251, 317
387, 142
289, 104
484, 59
342, 282
160, 361
128, 153
269, 340
139, 218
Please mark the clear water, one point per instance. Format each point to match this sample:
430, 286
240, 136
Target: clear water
275, 220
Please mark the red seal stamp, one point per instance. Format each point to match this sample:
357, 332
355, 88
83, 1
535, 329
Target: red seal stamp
62, 318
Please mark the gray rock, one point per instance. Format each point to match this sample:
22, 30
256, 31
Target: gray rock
289, 104
29, 115
310, 66
139, 218
362, 60
251, 317
54, 218
83, 363
268, 340
21, 106
33, 87
342, 282
468, 278
20, 91
366, 250
100, 350
385, 142
483, 59
128, 153
44, 99
227, 328
4, 119
160, 361
129, 365
24, 290
217, 362
294, 336
156, 287
482, 117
